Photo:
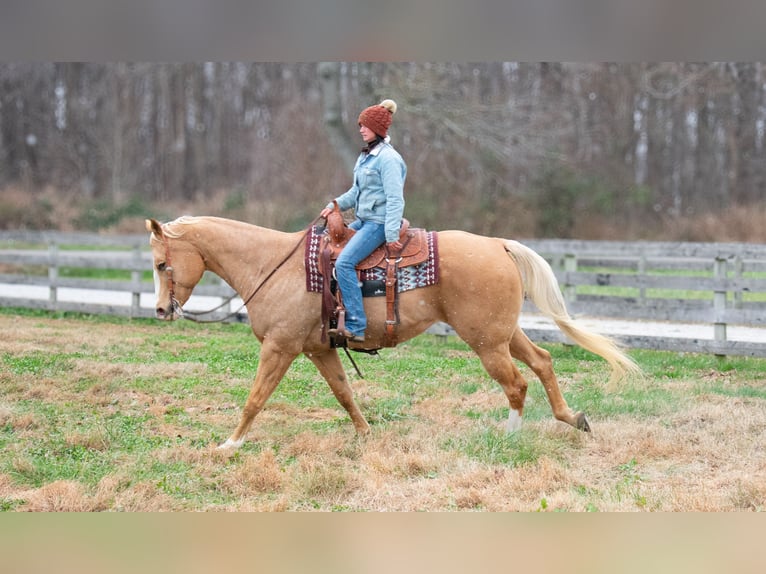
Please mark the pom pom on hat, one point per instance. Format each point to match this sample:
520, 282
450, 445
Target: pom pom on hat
378, 118
390, 105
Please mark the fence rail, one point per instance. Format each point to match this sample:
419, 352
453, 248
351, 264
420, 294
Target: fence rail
710, 284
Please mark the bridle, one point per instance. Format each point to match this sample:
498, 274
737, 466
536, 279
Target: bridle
175, 307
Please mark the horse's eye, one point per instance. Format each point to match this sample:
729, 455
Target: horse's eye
161, 267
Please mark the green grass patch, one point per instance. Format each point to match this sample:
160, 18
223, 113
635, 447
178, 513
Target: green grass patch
38, 363
142, 402
670, 365
660, 293
493, 446
631, 399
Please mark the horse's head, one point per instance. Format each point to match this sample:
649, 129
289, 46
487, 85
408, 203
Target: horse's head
178, 267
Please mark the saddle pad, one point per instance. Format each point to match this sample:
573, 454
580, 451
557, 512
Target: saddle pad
411, 277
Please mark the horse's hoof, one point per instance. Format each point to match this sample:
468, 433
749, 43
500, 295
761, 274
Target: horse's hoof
230, 444
581, 422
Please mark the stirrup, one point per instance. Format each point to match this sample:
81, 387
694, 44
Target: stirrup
346, 334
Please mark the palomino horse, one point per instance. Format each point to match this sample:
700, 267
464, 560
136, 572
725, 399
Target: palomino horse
480, 292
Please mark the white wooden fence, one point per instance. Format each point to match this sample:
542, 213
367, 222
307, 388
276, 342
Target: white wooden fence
24, 263
710, 284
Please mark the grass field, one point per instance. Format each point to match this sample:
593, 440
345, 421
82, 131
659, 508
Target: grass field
106, 414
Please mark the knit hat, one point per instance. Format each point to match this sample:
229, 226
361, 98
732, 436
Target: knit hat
378, 117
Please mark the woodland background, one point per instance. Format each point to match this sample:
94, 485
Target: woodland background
583, 150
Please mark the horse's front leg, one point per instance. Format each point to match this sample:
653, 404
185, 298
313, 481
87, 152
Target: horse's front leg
272, 366
331, 368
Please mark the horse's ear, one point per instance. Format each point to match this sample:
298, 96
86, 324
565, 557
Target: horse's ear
153, 226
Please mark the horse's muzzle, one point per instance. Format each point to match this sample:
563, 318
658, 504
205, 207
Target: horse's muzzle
160, 313
171, 314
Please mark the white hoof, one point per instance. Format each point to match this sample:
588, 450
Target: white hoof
514, 421
231, 444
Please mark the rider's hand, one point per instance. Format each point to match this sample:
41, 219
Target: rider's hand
394, 246
325, 212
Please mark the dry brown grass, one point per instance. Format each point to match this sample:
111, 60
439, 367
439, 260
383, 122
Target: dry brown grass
705, 453
733, 224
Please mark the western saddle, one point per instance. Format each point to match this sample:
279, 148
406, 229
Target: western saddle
414, 251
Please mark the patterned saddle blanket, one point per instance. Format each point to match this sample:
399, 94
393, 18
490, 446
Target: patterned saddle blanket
373, 276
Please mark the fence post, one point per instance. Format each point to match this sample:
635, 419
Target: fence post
53, 274
570, 265
135, 277
719, 302
739, 266
642, 274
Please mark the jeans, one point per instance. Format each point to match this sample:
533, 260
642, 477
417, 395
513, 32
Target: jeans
368, 236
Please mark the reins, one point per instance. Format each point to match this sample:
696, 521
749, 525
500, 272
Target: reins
195, 315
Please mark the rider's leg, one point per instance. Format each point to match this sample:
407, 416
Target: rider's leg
368, 236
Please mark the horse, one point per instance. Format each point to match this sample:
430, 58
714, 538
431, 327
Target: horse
481, 288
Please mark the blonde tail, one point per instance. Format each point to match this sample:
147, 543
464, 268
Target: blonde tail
542, 288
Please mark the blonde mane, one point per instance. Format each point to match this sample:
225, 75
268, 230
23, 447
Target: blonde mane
175, 229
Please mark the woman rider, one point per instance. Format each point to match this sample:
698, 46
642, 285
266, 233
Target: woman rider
377, 196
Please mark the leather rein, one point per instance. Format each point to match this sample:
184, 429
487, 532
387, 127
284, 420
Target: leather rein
195, 315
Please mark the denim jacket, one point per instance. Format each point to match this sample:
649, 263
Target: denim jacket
377, 193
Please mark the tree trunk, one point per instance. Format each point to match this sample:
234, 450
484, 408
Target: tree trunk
329, 81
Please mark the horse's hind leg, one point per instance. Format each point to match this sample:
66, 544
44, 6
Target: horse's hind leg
331, 368
500, 366
539, 360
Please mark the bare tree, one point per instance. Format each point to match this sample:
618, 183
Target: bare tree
623, 141
330, 80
